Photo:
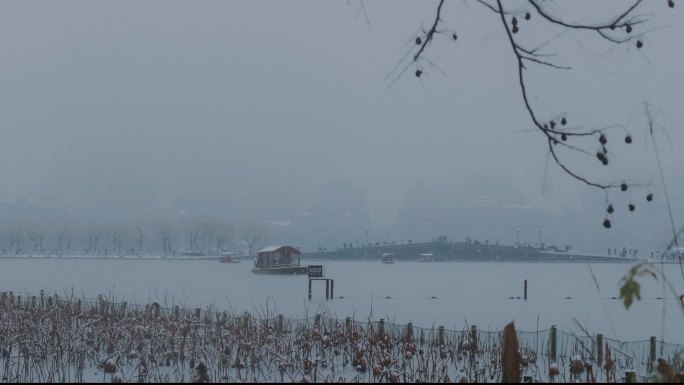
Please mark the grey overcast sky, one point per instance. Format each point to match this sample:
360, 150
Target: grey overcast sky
266, 109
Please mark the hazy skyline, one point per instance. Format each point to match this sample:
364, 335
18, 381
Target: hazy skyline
275, 111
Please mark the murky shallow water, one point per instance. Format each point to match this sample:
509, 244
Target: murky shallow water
447, 293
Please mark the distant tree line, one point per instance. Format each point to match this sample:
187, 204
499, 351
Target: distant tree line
167, 238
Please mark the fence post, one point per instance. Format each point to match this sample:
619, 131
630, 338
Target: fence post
525, 293
441, 335
554, 343
599, 348
280, 323
42, 298
348, 325
652, 353
176, 311
198, 312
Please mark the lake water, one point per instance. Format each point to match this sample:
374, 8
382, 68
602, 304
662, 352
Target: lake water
465, 293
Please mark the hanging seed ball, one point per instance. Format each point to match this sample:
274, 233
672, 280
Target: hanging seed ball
623, 186
628, 139
610, 209
527, 14
453, 36
564, 137
515, 29
546, 126
606, 223
602, 139
628, 28
514, 21
612, 27
602, 158
649, 197
639, 44
631, 207
552, 124
563, 121
670, 3
418, 73
418, 40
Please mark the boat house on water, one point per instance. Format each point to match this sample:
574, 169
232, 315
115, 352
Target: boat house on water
282, 259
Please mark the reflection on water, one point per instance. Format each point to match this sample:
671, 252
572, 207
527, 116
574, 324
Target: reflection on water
440, 293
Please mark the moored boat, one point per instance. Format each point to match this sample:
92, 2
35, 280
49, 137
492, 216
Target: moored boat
388, 258
283, 260
229, 258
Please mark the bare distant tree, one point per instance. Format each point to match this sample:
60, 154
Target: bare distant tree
194, 236
221, 234
116, 238
15, 241
37, 237
92, 239
140, 237
253, 233
63, 240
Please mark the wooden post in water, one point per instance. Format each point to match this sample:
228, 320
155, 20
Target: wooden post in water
332, 287
280, 323
309, 288
630, 376
176, 311
42, 298
525, 293
327, 288
441, 335
473, 337
409, 332
348, 325
652, 352
553, 342
599, 348
198, 312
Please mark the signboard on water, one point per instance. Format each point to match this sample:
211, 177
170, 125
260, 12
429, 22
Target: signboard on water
315, 271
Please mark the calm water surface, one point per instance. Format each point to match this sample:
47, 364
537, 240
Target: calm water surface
452, 294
